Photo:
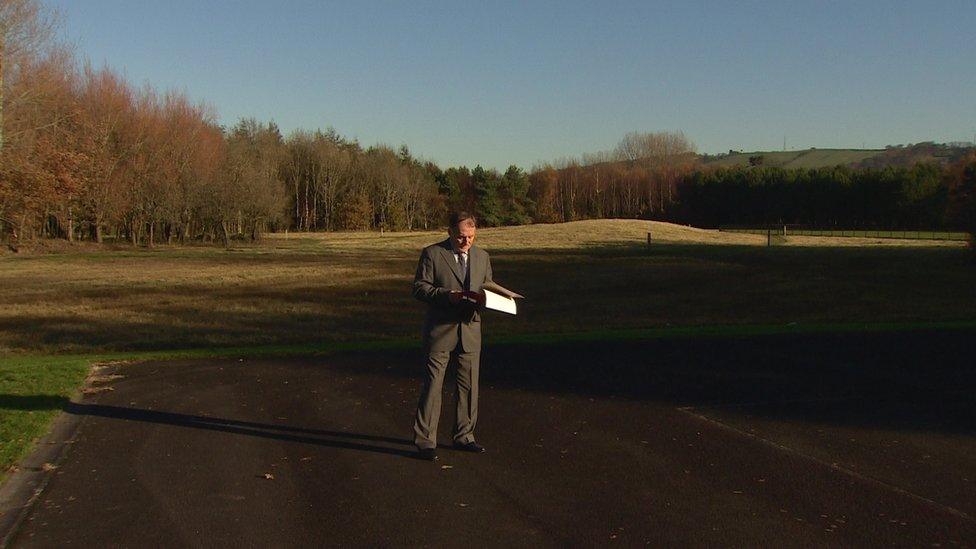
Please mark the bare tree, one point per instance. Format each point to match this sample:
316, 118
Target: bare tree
104, 126
25, 27
665, 155
37, 165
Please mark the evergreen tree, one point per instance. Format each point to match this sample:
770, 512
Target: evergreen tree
515, 197
488, 204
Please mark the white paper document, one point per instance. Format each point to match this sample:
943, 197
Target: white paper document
499, 302
499, 298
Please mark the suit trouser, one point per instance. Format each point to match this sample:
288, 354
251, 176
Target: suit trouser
429, 407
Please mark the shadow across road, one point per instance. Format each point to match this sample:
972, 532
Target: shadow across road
913, 381
920, 381
331, 439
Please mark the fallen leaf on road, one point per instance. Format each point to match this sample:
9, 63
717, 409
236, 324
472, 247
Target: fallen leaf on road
269, 476
48, 467
104, 378
447, 466
107, 363
307, 458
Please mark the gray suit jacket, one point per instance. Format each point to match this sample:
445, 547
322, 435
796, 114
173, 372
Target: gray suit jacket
437, 275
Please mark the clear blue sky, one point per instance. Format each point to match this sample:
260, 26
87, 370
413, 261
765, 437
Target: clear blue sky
499, 83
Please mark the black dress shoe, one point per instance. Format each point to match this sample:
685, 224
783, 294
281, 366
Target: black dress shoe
427, 454
470, 447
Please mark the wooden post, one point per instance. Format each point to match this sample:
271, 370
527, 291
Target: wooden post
648, 238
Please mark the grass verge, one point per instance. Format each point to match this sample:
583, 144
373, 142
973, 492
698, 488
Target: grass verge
33, 390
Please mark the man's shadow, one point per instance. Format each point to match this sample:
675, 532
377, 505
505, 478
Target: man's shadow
331, 439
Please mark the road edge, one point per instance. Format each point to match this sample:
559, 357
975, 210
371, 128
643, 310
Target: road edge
21, 489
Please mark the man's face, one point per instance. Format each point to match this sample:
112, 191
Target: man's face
462, 236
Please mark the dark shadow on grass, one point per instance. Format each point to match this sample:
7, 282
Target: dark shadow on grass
331, 439
32, 403
862, 256
607, 286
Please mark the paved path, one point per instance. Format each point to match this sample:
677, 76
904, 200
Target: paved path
782, 441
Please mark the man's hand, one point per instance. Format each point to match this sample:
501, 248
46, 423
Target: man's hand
468, 296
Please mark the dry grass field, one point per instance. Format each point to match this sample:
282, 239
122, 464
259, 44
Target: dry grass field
608, 232
310, 288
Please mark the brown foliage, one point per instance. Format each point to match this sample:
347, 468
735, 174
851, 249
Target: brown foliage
638, 179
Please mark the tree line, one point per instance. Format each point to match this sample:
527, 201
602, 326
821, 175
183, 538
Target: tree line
837, 197
927, 195
85, 154
640, 178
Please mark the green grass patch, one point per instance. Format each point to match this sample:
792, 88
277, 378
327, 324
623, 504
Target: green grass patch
33, 389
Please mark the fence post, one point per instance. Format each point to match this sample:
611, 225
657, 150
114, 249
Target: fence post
648, 238
769, 237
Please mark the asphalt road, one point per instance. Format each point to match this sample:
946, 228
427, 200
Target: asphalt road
822, 440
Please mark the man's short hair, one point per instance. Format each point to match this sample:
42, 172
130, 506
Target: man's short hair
461, 217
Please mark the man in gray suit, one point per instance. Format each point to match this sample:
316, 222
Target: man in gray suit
449, 279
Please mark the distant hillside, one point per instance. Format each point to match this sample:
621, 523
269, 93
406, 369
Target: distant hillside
939, 153
860, 158
809, 158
